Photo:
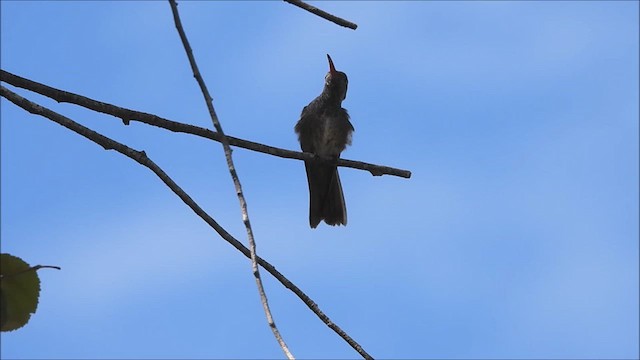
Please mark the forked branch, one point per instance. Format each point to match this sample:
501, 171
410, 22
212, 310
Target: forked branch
141, 158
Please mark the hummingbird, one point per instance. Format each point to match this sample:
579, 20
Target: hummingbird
324, 130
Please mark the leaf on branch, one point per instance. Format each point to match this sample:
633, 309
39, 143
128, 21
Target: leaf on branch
19, 291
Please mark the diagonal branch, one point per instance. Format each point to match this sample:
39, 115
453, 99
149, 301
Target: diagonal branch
141, 158
234, 176
323, 14
128, 115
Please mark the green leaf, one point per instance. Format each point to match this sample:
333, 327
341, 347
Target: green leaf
19, 292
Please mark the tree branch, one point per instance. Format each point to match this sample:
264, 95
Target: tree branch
128, 115
236, 180
323, 14
141, 158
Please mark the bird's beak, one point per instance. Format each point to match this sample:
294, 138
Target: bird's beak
332, 69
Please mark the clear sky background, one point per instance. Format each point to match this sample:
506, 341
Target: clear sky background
516, 236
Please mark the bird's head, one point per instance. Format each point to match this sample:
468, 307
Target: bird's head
336, 82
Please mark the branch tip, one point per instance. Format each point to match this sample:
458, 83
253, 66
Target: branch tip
323, 14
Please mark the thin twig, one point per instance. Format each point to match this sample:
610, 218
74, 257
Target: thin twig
128, 115
236, 180
141, 158
323, 14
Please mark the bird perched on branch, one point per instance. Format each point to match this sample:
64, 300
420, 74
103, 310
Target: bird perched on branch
325, 131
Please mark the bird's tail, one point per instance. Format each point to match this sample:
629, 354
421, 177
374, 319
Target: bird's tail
326, 201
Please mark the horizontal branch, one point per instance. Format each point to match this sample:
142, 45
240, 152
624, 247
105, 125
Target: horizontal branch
128, 115
323, 14
142, 158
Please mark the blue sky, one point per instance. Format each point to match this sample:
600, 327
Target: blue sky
516, 237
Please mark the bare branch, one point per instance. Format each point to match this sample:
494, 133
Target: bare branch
234, 176
141, 158
323, 14
128, 115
